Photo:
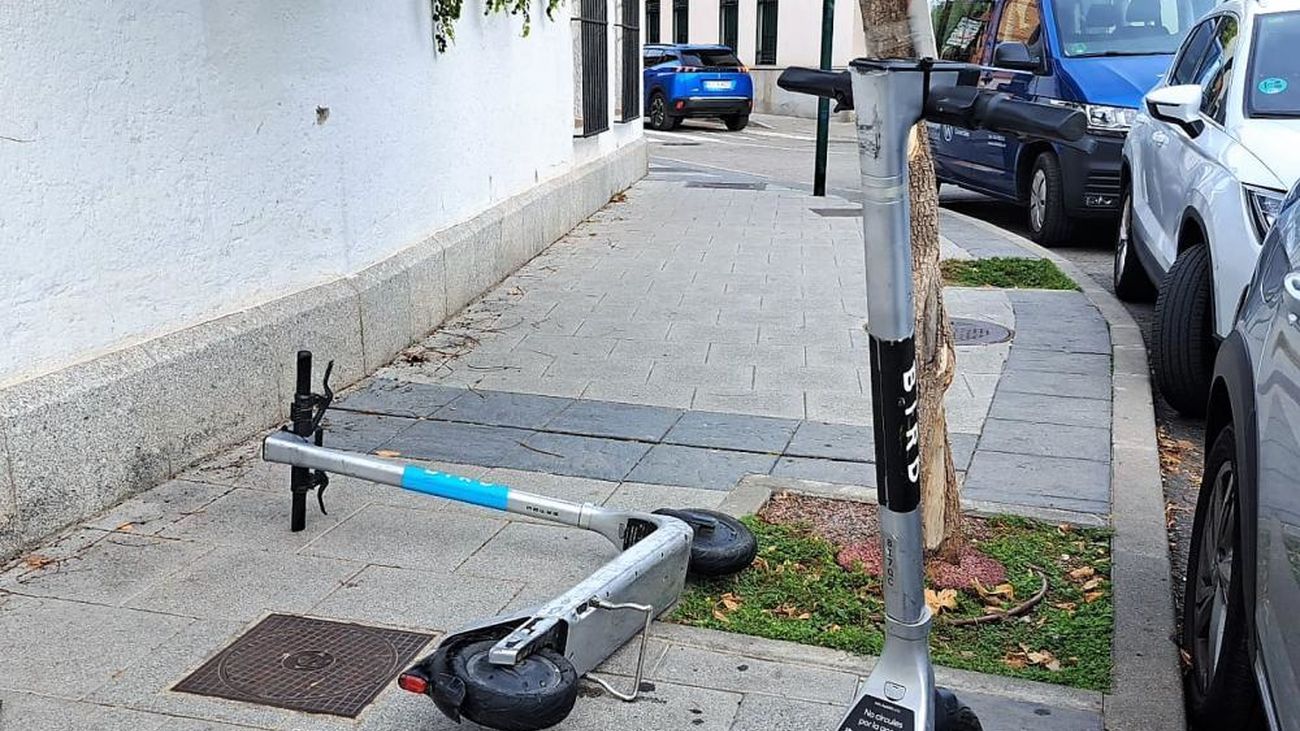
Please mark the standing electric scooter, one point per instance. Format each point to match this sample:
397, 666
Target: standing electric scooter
891, 97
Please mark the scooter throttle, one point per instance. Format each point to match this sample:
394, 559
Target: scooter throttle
830, 84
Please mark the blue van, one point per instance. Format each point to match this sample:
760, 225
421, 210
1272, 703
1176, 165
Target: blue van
1099, 56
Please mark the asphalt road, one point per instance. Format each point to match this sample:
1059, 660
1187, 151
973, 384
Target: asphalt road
782, 149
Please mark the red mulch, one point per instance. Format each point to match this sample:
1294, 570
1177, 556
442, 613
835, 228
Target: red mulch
851, 527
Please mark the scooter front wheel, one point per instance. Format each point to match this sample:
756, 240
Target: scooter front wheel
953, 715
537, 693
721, 545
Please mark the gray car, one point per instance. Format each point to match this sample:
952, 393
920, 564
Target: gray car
1241, 616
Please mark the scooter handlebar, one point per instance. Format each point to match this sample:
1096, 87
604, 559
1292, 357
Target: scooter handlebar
830, 84
961, 106
972, 108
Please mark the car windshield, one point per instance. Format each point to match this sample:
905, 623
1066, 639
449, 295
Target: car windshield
1274, 76
710, 58
1125, 27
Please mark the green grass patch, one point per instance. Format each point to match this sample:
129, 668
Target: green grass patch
1005, 272
795, 591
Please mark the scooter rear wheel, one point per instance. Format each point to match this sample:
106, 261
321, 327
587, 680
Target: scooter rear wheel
722, 545
537, 693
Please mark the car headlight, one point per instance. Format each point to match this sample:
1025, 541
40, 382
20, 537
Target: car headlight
1102, 119
1265, 205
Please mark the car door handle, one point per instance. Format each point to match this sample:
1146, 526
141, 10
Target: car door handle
1159, 138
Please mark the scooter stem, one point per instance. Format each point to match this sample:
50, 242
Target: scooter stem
899, 693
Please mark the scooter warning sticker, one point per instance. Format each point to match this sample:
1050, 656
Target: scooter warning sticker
876, 714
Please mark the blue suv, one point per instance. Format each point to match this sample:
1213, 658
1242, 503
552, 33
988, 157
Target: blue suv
1098, 56
684, 80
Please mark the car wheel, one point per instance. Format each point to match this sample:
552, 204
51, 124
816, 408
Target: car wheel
1183, 332
1048, 223
736, 122
1219, 679
1131, 281
659, 117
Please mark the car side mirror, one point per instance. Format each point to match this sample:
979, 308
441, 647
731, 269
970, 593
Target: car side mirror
1180, 105
1015, 56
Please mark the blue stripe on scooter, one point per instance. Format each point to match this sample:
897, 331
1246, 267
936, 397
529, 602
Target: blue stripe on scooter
455, 487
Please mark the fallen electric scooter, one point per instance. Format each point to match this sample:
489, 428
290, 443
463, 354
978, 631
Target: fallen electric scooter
891, 96
520, 671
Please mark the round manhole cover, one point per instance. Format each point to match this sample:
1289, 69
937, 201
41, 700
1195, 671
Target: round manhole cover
978, 332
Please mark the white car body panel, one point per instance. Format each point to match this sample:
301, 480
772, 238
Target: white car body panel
1177, 178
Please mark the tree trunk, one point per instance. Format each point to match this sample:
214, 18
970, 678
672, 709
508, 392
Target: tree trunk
890, 34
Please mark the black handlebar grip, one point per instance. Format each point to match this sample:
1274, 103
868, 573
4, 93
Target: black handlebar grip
1001, 113
830, 84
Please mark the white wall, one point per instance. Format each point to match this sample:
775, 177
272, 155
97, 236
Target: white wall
799, 28
169, 167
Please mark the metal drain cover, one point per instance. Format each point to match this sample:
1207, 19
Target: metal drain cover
726, 185
310, 665
838, 212
978, 332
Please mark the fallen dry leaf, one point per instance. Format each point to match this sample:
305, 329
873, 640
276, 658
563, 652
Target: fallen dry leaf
1082, 572
37, 561
941, 600
387, 453
1001, 591
1064, 528
1093, 583
126, 527
730, 601
791, 612
1066, 606
1093, 596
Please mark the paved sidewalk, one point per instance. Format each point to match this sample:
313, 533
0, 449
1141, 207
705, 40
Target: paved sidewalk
695, 333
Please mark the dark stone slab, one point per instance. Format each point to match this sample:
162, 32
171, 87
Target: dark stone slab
361, 432
503, 408
714, 469
1052, 361
577, 456
1077, 385
1044, 409
833, 441
446, 441
732, 431
826, 470
1058, 440
612, 419
1019, 479
398, 398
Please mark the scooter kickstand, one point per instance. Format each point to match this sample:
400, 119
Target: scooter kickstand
649, 612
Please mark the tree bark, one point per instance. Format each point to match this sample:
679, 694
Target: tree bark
890, 34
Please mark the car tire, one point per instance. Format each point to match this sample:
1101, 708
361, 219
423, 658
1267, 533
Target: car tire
1220, 682
1049, 224
1131, 281
736, 122
1182, 332
659, 118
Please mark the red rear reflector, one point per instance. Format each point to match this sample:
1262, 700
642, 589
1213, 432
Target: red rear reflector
412, 683
680, 104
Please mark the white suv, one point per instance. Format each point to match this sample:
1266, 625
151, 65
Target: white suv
1213, 150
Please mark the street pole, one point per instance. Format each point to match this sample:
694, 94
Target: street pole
824, 104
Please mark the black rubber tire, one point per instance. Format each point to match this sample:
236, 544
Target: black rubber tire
736, 122
504, 698
728, 549
953, 715
667, 122
1183, 332
1131, 281
1057, 227
1229, 699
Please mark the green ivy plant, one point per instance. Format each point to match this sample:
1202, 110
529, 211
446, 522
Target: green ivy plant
447, 12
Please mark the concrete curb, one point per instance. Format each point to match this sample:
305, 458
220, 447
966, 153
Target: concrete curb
1146, 685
